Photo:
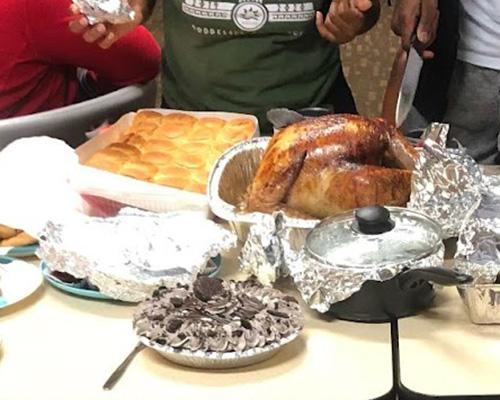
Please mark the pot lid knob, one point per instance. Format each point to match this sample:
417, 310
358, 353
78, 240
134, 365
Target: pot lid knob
373, 220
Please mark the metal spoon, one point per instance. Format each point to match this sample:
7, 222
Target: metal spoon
117, 374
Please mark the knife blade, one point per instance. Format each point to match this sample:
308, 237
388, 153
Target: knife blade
409, 86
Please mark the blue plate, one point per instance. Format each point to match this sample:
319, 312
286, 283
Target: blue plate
213, 268
70, 287
21, 251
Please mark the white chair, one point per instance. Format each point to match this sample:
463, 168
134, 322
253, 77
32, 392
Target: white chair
70, 123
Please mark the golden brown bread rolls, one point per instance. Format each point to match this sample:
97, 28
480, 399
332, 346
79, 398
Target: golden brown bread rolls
176, 150
139, 169
157, 158
191, 161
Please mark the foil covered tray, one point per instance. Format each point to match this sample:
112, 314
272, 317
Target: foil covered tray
127, 256
482, 302
478, 255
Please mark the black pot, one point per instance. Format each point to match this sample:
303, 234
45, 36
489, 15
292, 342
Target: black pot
406, 294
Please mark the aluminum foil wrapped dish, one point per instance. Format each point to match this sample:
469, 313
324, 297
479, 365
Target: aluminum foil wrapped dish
373, 265
478, 255
112, 11
218, 324
128, 255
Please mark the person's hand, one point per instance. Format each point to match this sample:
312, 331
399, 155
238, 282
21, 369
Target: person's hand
104, 34
418, 17
345, 20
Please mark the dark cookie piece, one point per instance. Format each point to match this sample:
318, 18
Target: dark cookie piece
159, 291
246, 324
205, 288
174, 325
290, 299
176, 302
278, 314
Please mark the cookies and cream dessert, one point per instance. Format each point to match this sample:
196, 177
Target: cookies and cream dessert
218, 316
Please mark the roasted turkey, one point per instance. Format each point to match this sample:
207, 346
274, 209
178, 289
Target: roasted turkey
327, 165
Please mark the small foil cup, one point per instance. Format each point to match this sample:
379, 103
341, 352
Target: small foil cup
112, 11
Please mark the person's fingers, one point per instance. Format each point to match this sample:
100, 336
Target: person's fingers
362, 5
339, 27
95, 33
73, 9
405, 19
79, 25
426, 24
323, 31
108, 41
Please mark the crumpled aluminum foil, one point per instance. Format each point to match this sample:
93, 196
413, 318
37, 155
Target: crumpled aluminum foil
478, 247
262, 253
112, 11
127, 256
478, 254
322, 285
446, 184
478, 251
272, 246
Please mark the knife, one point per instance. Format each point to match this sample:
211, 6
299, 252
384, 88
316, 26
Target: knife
409, 86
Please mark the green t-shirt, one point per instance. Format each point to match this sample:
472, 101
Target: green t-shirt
245, 56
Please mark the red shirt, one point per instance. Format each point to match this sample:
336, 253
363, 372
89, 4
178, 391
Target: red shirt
39, 56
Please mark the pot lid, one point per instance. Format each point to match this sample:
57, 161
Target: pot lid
373, 237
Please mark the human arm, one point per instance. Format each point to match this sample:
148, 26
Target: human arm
134, 59
105, 34
347, 19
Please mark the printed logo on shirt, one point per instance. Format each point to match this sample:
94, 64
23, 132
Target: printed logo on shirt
249, 15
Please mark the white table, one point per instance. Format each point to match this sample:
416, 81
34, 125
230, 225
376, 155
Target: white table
444, 354
57, 346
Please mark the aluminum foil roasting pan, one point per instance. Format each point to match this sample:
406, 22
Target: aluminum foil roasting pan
227, 187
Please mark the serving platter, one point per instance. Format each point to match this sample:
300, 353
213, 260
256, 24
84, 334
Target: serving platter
77, 289
20, 251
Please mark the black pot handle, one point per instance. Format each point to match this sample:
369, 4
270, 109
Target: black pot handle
373, 220
438, 275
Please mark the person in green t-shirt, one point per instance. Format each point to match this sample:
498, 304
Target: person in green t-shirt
250, 55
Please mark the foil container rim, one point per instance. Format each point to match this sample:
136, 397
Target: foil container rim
215, 355
230, 212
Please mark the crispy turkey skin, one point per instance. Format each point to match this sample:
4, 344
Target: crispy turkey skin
327, 165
